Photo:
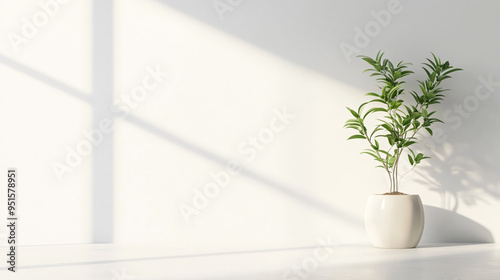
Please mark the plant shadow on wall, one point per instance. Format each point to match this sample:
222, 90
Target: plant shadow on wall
458, 177
463, 168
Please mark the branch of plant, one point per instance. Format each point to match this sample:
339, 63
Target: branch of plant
407, 172
400, 123
378, 153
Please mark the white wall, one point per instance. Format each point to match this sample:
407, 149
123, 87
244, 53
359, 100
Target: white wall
224, 75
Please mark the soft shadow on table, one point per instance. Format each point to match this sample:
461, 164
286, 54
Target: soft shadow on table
466, 263
444, 226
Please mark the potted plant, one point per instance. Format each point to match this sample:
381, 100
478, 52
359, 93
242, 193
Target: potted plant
395, 219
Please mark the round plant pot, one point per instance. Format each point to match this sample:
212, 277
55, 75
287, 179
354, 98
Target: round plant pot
394, 221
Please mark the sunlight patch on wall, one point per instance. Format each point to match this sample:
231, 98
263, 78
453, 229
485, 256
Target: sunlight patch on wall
50, 37
210, 94
42, 125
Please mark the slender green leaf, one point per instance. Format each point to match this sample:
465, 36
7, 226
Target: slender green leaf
356, 115
408, 143
373, 110
356, 136
419, 157
372, 94
410, 159
452, 70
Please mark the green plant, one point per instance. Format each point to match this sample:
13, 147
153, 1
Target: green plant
400, 121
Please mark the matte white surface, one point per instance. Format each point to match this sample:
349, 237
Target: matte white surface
394, 221
346, 262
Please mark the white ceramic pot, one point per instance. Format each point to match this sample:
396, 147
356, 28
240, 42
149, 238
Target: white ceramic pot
394, 221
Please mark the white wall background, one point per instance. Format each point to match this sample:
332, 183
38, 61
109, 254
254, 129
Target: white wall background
225, 73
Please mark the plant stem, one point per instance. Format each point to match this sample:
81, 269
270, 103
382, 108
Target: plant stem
390, 180
407, 172
397, 169
378, 153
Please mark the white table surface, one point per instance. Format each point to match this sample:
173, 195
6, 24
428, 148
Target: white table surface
121, 262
